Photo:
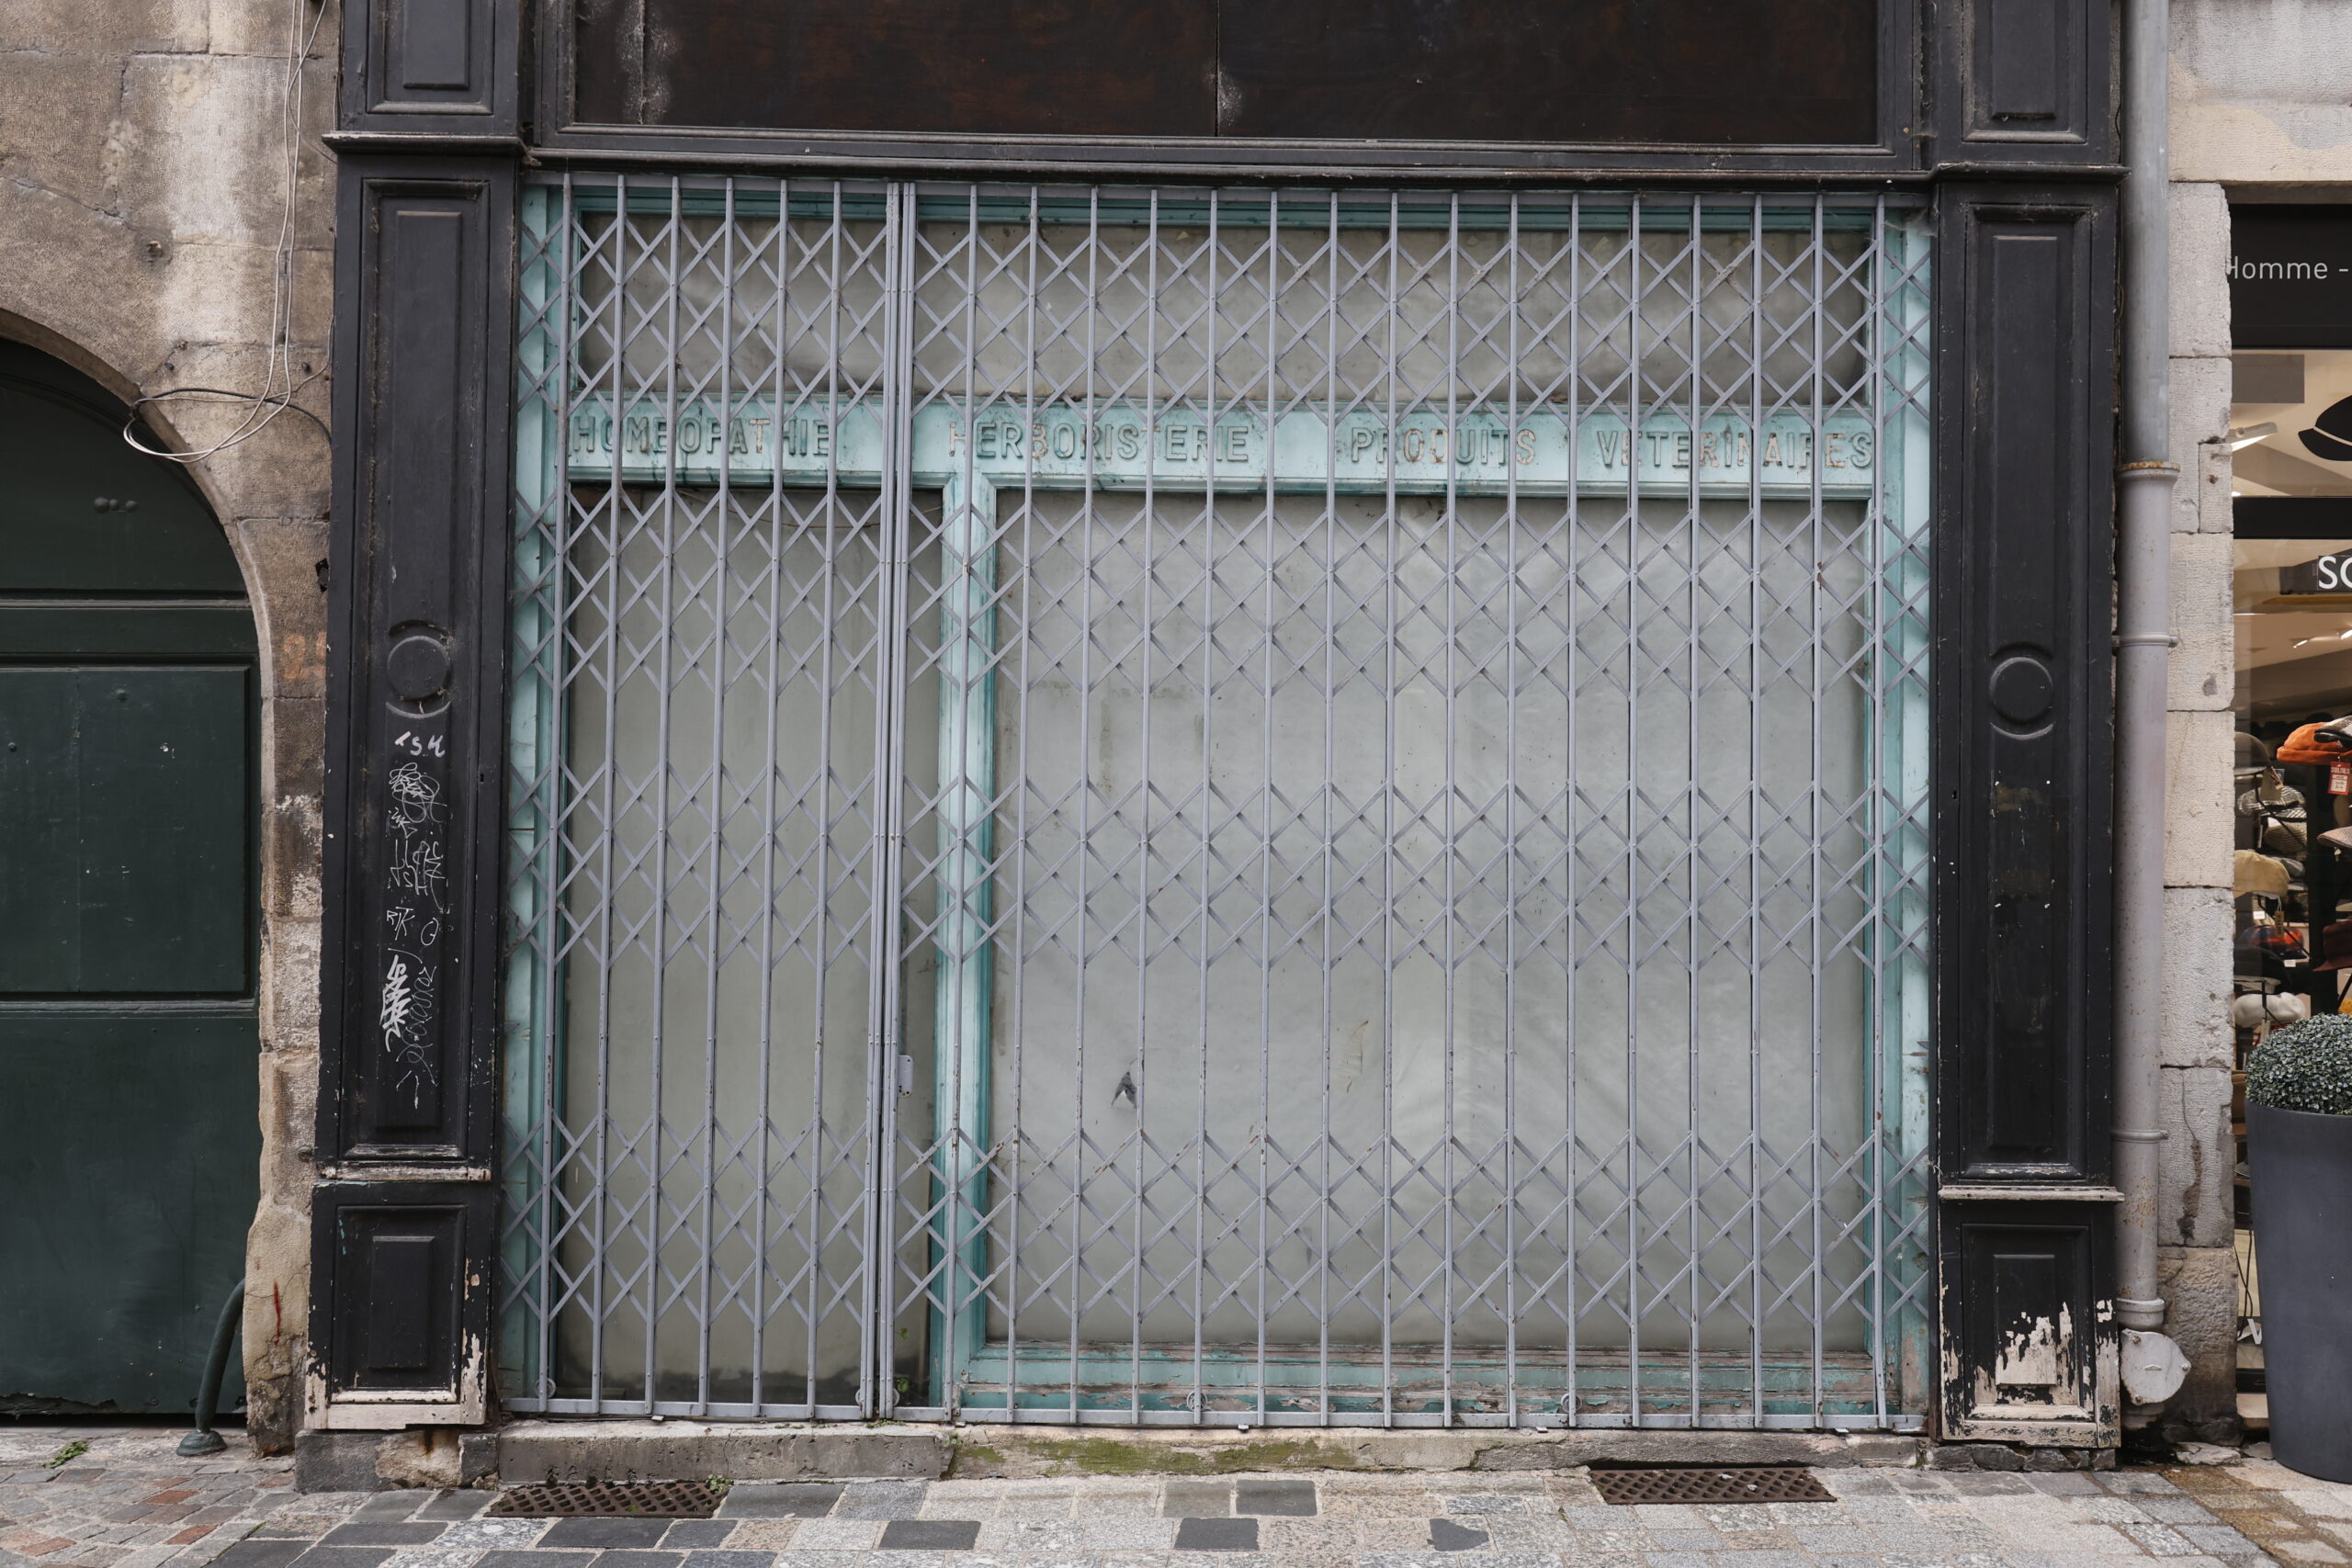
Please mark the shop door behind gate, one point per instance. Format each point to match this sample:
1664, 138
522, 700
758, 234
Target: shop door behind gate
127, 1028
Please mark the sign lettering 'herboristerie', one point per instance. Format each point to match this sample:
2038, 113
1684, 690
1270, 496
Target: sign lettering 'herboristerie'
1121, 447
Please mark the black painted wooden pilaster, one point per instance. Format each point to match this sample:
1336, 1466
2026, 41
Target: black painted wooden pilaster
2025, 302
2023, 81
412, 1316
441, 68
404, 1219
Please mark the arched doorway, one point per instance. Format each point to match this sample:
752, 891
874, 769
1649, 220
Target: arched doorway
128, 929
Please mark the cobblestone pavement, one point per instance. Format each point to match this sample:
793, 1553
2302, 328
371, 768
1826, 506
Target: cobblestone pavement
119, 1497
125, 1501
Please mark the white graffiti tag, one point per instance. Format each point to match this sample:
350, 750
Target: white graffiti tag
417, 868
404, 1013
417, 799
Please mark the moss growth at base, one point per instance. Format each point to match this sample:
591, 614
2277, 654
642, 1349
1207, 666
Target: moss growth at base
1110, 1455
974, 1459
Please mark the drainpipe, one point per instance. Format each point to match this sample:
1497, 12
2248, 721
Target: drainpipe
2143, 638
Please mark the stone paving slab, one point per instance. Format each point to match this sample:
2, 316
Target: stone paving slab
125, 1500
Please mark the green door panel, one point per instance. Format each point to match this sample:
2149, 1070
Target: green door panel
130, 1133
127, 867
128, 1146
80, 512
49, 631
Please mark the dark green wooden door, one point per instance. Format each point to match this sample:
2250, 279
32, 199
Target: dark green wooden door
129, 1136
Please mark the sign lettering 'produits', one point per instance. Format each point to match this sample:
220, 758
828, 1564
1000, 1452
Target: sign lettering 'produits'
1121, 447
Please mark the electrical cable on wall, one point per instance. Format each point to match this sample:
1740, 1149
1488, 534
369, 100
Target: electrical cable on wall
266, 405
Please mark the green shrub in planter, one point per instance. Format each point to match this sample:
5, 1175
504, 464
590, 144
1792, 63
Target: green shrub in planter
2304, 1066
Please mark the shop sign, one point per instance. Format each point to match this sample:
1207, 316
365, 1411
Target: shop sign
1120, 447
2290, 277
2328, 575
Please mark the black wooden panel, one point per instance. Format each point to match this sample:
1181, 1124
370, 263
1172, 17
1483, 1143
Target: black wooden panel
608, 43
2023, 1286
431, 47
2024, 564
1011, 67
398, 1305
445, 67
2025, 81
416, 662
1671, 70
1676, 71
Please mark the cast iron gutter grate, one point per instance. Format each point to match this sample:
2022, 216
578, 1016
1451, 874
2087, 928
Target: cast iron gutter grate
609, 1499
1762, 1483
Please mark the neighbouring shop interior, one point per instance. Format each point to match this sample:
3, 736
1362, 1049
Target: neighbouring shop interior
2290, 432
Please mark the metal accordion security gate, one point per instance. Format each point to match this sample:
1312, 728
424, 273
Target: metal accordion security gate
1218, 806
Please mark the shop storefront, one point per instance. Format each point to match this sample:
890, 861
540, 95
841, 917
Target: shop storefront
1141, 738
2291, 501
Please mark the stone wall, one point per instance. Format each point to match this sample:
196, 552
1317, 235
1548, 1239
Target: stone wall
2195, 1205
2262, 92
144, 147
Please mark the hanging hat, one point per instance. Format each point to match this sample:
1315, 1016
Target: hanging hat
2315, 743
2283, 942
2335, 946
2252, 753
2285, 840
2257, 872
2338, 838
2286, 808
2288, 1007
2247, 1011
2330, 437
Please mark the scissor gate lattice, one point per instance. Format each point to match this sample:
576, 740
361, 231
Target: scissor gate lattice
1198, 805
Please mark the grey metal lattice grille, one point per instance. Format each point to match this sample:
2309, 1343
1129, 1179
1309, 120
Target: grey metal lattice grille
1207, 807
1756, 1484
608, 1499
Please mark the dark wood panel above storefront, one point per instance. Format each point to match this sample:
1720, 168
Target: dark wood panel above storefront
1799, 72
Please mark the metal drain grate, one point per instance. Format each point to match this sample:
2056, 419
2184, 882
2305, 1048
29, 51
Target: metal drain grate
609, 1499
1763, 1484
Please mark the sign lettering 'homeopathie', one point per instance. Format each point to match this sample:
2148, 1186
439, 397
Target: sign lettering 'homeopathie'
1120, 447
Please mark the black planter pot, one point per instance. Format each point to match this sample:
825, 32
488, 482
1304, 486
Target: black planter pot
2303, 1228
